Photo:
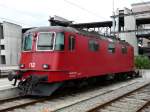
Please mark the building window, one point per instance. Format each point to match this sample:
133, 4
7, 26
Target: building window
2, 59
124, 50
2, 47
93, 45
1, 32
111, 47
71, 43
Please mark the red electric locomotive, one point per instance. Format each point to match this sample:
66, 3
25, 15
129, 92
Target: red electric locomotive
52, 55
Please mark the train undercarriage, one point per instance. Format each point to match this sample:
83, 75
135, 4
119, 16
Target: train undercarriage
38, 85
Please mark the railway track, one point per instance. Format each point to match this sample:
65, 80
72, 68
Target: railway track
133, 101
18, 102
3, 76
120, 100
145, 108
85, 101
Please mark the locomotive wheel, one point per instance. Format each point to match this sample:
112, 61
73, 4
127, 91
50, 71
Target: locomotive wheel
92, 81
131, 75
110, 77
121, 77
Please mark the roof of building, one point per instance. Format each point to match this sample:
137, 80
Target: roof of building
141, 3
93, 24
140, 21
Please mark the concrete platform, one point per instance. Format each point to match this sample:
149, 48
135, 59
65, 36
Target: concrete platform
7, 90
9, 93
5, 84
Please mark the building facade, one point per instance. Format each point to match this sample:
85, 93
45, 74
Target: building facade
133, 25
10, 43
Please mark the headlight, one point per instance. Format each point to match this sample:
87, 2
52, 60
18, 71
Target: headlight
22, 65
45, 66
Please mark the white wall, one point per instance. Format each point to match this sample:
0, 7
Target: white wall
12, 36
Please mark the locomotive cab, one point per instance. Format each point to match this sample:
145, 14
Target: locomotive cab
39, 59
40, 50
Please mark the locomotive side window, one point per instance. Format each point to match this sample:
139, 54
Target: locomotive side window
45, 41
27, 42
93, 45
111, 48
124, 50
59, 44
71, 43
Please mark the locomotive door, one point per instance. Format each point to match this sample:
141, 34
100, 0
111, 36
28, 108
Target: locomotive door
72, 62
71, 41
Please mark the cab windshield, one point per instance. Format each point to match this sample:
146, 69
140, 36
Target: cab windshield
45, 41
27, 42
48, 41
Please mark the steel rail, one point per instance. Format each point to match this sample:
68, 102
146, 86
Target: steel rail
144, 106
33, 101
3, 76
9, 99
116, 99
59, 109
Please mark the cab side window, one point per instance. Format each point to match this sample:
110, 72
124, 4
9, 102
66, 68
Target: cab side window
111, 48
71, 42
93, 45
124, 49
59, 44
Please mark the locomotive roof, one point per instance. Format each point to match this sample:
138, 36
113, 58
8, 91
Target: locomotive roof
70, 29
61, 28
48, 28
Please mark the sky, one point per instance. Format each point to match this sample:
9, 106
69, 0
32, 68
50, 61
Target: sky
35, 13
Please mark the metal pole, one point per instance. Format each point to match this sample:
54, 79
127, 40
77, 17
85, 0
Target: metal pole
113, 18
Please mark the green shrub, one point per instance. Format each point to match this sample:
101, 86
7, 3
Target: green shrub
142, 62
